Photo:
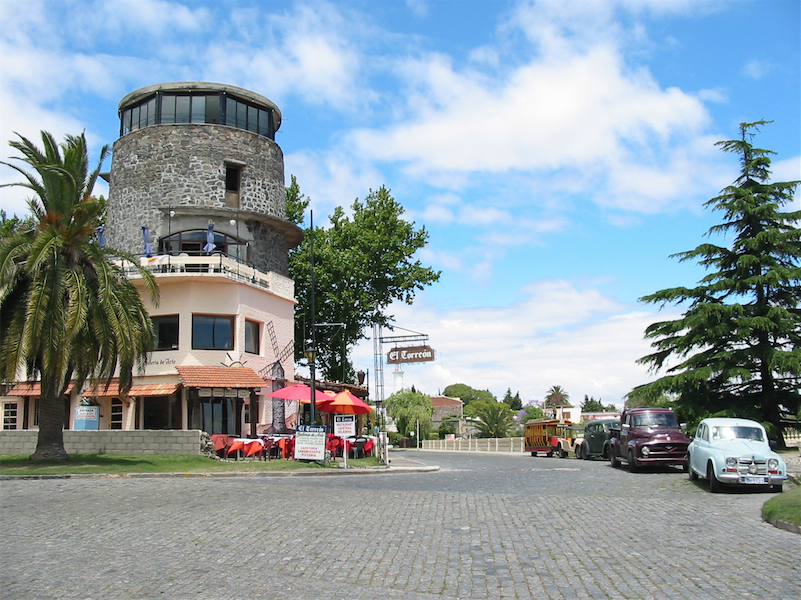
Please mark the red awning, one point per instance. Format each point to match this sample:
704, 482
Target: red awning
220, 377
30, 388
137, 390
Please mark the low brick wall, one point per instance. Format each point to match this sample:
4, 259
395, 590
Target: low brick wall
516, 444
108, 441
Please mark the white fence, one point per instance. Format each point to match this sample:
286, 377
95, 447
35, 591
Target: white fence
792, 437
516, 444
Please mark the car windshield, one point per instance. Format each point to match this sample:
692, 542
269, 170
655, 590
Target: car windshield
655, 420
730, 432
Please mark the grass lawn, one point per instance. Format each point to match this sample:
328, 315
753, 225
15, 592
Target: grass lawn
117, 464
784, 507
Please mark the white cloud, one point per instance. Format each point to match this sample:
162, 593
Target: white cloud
331, 179
556, 335
756, 69
418, 7
584, 113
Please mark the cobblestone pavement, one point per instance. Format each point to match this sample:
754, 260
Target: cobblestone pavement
484, 526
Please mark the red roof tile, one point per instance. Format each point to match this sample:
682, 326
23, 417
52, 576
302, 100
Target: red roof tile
30, 388
445, 401
137, 390
223, 377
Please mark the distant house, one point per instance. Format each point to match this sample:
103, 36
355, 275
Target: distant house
591, 416
448, 410
561, 409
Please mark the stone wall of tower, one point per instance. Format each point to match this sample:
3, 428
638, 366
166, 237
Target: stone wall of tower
183, 167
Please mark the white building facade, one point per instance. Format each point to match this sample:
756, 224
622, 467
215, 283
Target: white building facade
196, 189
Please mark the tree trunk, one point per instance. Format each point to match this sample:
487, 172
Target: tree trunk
50, 443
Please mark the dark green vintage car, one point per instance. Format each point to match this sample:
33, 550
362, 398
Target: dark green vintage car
596, 435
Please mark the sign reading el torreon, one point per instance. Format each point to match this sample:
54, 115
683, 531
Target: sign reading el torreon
411, 354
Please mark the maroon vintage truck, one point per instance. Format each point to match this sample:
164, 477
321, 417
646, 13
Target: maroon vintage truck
648, 436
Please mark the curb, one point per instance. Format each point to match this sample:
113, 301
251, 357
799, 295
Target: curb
298, 473
785, 526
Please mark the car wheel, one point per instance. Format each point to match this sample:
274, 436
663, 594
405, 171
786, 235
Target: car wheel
632, 463
613, 458
714, 484
562, 453
578, 452
778, 488
693, 475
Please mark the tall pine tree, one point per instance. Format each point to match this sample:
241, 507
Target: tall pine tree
738, 346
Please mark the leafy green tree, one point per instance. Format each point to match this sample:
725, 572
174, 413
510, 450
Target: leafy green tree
495, 420
590, 404
67, 313
363, 262
532, 412
476, 406
10, 225
514, 402
445, 428
407, 408
467, 394
738, 345
643, 396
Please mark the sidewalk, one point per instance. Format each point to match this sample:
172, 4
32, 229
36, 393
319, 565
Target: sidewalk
398, 464
793, 462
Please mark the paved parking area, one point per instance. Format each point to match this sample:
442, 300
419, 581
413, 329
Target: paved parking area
484, 526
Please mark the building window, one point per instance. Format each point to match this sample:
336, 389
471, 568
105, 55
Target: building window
214, 415
198, 108
251, 337
10, 415
116, 413
211, 332
233, 175
166, 332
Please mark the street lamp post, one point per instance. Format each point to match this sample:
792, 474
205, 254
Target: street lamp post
311, 351
311, 356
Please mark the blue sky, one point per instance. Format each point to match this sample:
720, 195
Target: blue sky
556, 152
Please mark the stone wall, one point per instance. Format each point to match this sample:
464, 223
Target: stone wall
107, 441
182, 166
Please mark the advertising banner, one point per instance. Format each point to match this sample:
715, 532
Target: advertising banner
310, 442
345, 425
87, 417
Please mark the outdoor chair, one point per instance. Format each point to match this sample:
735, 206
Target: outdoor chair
357, 448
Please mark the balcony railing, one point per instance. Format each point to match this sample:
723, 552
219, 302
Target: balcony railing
215, 265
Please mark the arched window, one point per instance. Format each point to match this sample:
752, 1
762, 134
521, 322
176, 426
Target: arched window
192, 243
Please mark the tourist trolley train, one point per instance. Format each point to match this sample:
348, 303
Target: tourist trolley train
551, 437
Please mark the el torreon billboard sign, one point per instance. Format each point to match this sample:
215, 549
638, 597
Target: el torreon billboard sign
410, 354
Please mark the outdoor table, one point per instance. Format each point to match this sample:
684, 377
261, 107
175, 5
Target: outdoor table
285, 444
249, 446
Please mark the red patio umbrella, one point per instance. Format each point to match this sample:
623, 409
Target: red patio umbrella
301, 393
345, 403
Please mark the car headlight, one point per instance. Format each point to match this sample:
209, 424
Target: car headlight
646, 451
731, 462
773, 464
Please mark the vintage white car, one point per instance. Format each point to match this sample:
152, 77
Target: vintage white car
734, 451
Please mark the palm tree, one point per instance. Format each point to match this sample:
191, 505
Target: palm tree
556, 396
67, 312
495, 420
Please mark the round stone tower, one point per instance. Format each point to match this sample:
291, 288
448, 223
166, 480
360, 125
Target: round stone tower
191, 155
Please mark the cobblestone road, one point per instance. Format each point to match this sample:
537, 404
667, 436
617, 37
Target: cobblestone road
485, 526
